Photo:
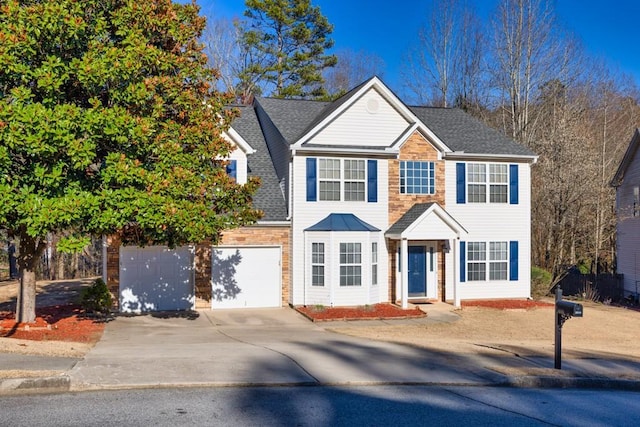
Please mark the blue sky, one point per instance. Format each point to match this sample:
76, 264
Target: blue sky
608, 29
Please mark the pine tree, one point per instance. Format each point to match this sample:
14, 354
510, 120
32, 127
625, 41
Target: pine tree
291, 36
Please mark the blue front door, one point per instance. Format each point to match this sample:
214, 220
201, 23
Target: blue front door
417, 271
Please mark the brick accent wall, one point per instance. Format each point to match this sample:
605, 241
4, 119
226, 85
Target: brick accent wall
415, 148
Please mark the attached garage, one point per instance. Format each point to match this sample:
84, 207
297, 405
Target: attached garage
246, 277
156, 278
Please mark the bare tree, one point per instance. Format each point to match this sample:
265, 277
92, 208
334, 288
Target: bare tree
352, 68
445, 67
223, 39
528, 51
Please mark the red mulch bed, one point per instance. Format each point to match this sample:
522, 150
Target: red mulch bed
55, 323
507, 304
376, 311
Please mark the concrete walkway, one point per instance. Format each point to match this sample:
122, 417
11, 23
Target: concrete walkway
280, 347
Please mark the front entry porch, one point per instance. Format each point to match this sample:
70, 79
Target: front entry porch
423, 245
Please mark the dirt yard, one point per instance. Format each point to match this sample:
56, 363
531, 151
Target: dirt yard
603, 330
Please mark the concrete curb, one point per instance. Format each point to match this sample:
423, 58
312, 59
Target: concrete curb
572, 382
513, 382
16, 386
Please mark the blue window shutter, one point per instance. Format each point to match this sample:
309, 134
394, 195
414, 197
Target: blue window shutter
461, 183
513, 184
463, 261
311, 179
513, 260
232, 169
372, 180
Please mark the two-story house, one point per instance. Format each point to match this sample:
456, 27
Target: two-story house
627, 184
366, 200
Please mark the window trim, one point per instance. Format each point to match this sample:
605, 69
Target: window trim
430, 170
484, 259
342, 180
352, 269
489, 183
374, 263
318, 264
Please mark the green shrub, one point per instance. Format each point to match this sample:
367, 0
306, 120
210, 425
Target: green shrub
96, 298
540, 282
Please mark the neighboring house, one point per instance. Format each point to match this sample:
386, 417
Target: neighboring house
366, 200
627, 184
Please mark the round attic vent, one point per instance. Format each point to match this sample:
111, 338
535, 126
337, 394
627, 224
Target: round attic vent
373, 106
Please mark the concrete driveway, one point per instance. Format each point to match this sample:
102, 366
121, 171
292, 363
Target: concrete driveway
255, 347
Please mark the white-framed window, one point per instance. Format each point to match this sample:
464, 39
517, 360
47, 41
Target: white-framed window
374, 263
342, 179
350, 264
487, 179
417, 177
476, 261
329, 179
498, 260
636, 201
354, 180
317, 264
496, 263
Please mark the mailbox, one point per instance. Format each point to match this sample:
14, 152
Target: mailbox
568, 308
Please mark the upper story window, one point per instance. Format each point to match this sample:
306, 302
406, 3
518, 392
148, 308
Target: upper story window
636, 200
331, 179
417, 177
342, 179
491, 180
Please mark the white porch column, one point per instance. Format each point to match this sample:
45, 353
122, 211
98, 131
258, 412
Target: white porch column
404, 275
456, 272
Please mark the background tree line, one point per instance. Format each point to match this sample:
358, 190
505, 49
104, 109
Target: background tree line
519, 71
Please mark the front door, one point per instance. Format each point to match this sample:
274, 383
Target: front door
417, 272
423, 280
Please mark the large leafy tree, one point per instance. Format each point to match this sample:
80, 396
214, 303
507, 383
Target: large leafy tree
109, 124
290, 38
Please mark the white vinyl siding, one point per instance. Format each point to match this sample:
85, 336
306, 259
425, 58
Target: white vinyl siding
491, 222
628, 227
377, 122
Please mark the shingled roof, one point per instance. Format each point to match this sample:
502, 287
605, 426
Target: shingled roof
462, 132
294, 118
269, 197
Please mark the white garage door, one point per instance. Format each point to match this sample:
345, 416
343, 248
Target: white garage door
244, 277
156, 278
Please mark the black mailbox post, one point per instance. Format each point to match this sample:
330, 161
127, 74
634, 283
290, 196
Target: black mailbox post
564, 311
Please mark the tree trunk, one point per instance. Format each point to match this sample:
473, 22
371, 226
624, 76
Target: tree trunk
30, 249
26, 307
